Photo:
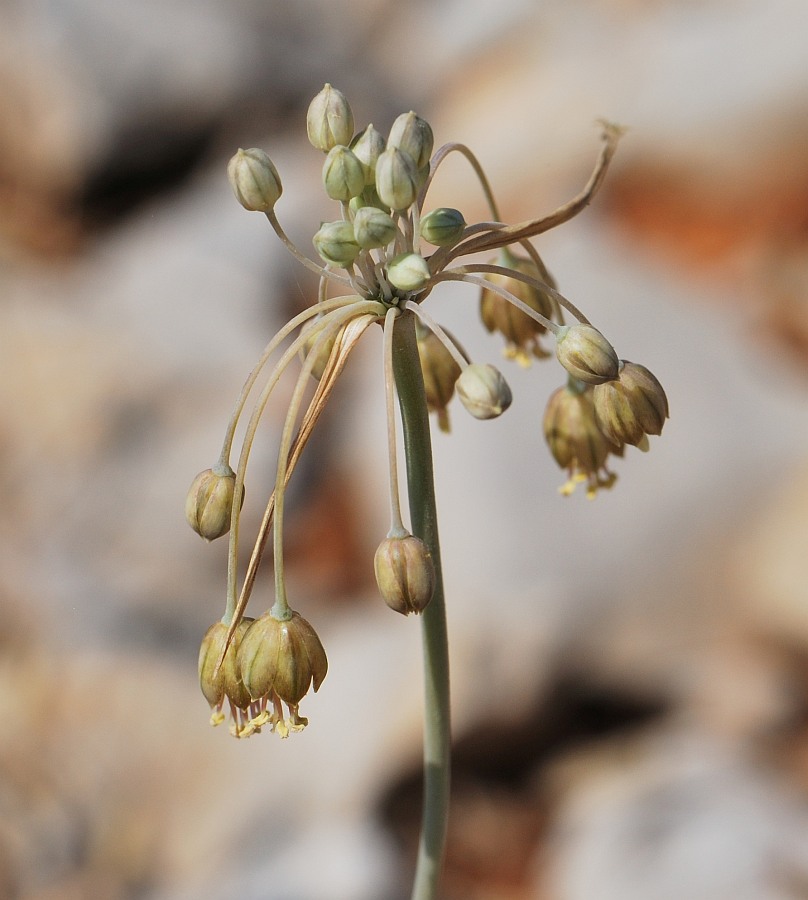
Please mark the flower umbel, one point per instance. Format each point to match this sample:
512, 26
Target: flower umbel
379, 259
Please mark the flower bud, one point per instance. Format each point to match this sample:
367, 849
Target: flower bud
227, 681
405, 573
209, 502
282, 658
343, 177
521, 332
632, 406
575, 440
373, 228
586, 354
254, 179
368, 197
413, 135
329, 120
408, 272
396, 179
483, 391
367, 148
440, 371
442, 227
336, 243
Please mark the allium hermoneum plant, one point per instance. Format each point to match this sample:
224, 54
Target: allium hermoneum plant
382, 256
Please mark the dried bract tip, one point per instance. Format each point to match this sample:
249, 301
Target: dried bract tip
396, 179
632, 406
575, 440
586, 354
405, 573
440, 371
254, 179
408, 272
413, 135
521, 332
336, 243
279, 660
209, 502
329, 120
483, 391
323, 352
367, 148
373, 228
343, 176
443, 226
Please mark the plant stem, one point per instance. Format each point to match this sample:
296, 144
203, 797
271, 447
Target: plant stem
424, 520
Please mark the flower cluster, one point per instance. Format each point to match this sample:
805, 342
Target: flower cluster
381, 258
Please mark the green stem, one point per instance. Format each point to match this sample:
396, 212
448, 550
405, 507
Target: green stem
423, 515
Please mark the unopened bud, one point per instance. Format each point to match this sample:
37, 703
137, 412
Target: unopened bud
209, 502
632, 406
413, 135
367, 148
442, 227
368, 197
254, 179
586, 354
483, 391
336, 243
373, 228
408, 272
405, 573
343, 177
396, 179
329, 120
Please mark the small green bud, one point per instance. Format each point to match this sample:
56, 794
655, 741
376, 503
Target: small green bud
413, 135
343, 177
442, 227
440, 371
483, 391
586, 354
282, 658
209, 502
373, 228
408, 272
368, 197
367, 148
329, 120
632, 406
405, 574
576, 441
336, 243
396, 179
254, 179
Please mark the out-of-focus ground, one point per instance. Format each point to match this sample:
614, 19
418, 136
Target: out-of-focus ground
630, 676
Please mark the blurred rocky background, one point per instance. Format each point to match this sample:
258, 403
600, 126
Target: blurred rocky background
630, 675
